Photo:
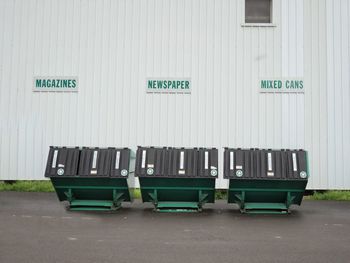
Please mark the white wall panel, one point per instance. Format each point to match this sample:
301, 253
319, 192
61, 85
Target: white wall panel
114, 46
339, 96
327, 60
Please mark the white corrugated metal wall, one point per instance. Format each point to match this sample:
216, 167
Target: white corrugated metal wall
114, 46
327, 72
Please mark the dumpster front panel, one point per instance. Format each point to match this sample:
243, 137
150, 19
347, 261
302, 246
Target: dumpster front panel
266, 190
90, 188
177, 189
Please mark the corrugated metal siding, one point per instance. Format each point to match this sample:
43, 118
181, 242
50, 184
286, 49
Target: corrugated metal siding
338, 92
327, 71
315, 97
114, 46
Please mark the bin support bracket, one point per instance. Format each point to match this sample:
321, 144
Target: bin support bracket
289, 200
117, 199
154, 197
69, 195
202, 199
241, 198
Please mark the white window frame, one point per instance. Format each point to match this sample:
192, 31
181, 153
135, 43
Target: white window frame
271, 24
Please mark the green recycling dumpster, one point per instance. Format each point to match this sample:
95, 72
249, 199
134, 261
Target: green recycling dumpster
90, 178
177, 179
265, 180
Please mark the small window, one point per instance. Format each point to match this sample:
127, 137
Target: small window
258, 11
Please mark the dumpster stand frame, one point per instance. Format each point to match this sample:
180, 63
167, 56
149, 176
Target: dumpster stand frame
93, 205
264, 207
177, 206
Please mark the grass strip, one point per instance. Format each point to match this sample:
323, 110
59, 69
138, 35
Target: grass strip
333, 195
27, 186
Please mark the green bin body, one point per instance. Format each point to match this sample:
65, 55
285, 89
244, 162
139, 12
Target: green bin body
90, 178
265, 181
177, 179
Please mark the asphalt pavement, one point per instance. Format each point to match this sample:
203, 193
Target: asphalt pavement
35, 227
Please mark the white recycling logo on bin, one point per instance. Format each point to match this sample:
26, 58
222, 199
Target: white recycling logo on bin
239, 173
60, 171
214, 172
303, 174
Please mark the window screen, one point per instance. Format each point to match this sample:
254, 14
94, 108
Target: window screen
258, 11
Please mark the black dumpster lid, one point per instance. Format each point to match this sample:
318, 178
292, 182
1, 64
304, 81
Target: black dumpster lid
176, 162
88, 162
266, 164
